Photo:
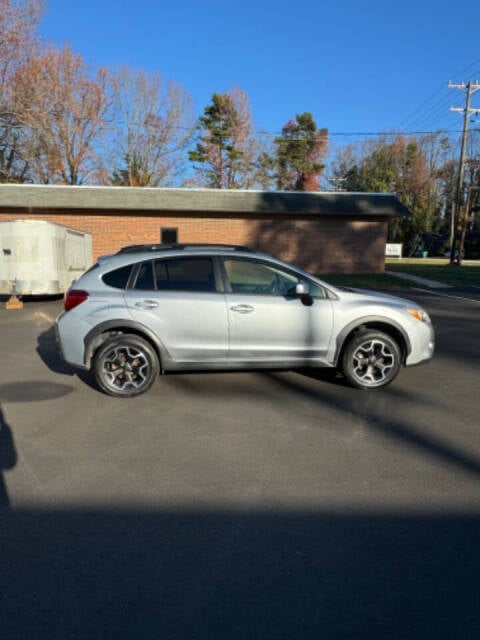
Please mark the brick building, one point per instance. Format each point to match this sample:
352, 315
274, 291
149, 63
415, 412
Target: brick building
321, 232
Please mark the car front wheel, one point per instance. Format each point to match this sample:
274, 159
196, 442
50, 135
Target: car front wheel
372, 359
125, 366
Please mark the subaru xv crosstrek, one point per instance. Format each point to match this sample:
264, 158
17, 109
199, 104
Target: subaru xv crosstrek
154, 309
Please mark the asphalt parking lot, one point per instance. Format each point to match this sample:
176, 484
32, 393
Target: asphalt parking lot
241, 505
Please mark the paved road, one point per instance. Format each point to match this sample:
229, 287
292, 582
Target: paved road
250, 505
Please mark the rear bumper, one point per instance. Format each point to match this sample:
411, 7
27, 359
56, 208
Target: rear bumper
69, 339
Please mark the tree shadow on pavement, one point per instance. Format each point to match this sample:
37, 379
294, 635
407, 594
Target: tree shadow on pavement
8, 457
33, 391
18, 392
213, 574
375, 408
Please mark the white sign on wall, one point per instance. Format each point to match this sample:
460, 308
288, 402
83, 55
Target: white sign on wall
393, 250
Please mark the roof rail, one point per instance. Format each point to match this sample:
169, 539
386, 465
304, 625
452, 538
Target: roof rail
143, 248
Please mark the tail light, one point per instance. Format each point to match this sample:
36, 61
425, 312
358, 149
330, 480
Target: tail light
73, 298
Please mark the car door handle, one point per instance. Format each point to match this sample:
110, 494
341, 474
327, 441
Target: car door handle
243, 308
146, 304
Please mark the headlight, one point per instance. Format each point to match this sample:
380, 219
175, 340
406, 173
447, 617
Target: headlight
419, 314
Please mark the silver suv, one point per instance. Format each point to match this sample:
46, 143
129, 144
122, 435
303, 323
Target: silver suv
154, 309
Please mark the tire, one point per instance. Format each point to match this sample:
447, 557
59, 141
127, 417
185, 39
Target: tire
125, 366
371, 359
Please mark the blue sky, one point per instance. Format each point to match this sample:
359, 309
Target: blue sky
358, 66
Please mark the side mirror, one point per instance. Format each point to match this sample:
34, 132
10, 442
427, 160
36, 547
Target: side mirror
301, 289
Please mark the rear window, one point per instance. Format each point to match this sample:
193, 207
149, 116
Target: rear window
176, 274
185, 274
118, 278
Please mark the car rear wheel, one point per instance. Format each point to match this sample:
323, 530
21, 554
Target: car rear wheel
372, 359
125, 366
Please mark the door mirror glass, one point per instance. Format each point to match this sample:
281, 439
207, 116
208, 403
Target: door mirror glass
301, 289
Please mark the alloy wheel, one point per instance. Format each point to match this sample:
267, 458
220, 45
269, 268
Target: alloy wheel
373, 362
125, 367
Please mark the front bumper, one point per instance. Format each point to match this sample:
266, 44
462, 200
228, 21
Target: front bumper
422, 344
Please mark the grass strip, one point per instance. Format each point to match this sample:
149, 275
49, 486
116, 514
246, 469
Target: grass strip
464, 275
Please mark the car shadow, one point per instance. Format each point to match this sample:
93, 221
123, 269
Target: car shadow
50, 355
324, 374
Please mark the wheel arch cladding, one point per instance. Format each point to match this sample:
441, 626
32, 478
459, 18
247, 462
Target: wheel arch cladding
390, 327
102, 332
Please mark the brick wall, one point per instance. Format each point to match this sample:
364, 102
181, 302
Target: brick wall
322, 245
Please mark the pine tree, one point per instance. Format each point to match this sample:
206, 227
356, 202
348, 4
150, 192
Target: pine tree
218, 154
299, 153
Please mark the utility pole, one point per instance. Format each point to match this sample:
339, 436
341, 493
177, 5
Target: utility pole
471, 87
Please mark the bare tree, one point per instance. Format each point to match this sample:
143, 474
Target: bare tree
18, 21
153, 125
64, 111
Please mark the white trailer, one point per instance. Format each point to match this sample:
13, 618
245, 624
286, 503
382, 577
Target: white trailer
41, 258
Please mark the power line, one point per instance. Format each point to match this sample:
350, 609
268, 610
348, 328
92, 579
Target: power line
424, 119
438, 91
329, 134
407, 118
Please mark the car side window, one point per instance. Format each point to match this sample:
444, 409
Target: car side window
117, 278
247, 276
316, 291
185, 274
144, 281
